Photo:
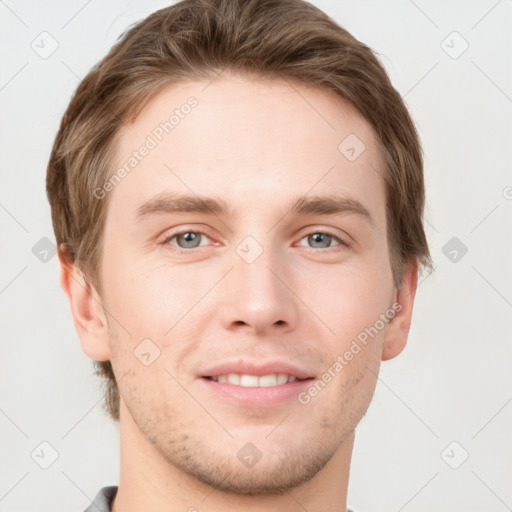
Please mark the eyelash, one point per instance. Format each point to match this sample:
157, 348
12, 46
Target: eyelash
179, 250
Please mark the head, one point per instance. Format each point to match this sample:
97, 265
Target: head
262, 100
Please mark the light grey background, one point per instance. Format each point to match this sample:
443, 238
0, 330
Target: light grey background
452, 382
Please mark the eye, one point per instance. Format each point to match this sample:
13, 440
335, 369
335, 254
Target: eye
323, 239
185, 240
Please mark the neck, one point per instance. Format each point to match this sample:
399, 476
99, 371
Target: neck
151, 483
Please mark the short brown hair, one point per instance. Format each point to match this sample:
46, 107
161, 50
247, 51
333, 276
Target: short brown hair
196, 39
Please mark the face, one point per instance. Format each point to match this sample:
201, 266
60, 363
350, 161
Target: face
225, 321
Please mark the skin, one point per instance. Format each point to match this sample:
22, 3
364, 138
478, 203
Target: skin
256, 144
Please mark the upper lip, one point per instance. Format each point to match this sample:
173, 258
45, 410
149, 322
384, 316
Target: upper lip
254, 368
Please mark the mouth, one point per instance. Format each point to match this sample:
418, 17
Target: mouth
254, 381
247, 384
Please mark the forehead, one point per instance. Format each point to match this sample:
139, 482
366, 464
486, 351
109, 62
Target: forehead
251, 142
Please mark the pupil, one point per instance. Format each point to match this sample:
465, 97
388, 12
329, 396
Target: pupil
190, 238
321, 238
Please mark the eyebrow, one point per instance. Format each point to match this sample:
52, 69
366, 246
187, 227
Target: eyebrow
331, 204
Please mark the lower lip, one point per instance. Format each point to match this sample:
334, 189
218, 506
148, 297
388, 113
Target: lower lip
261, 396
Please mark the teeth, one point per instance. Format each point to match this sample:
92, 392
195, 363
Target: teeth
233, 378
268, 380
252, 381
249, 381
282, 378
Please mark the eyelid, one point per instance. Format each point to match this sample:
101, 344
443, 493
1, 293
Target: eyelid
311, 230
182, 231
327, 231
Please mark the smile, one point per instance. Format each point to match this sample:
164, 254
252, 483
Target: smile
253, 381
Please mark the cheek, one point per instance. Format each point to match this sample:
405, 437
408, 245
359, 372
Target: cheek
132, 294
150, 297
350, 301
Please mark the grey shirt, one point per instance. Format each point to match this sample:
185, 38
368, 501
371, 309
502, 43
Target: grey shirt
103, 500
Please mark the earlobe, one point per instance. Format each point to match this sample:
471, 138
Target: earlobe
398, 327
89, 319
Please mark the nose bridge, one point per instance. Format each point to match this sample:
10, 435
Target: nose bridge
258, 294
253, 264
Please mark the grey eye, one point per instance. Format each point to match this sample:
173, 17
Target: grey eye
190, 239
320, 240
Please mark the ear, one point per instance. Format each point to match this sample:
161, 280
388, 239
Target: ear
397, 330
86, 307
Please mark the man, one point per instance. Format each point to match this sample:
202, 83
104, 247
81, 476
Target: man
237, 195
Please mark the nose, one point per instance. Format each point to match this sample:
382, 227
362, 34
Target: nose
258, 296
